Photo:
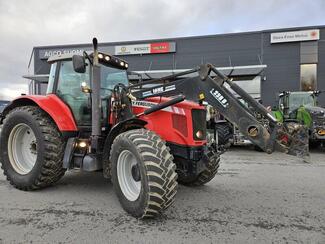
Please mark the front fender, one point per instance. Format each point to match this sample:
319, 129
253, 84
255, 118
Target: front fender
51, 104
117, 129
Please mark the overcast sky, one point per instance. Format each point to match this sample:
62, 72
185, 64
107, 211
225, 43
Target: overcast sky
24, 24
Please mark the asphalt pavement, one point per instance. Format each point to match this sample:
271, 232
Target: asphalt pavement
255, 198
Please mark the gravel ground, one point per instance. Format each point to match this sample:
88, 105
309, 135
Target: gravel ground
256, 198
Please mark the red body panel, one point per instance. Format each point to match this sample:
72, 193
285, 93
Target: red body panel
161, 121
58, 110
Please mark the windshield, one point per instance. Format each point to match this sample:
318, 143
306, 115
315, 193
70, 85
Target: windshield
111, 77
301, 99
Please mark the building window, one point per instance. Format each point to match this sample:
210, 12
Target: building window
308, 77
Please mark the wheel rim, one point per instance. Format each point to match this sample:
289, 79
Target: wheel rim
22, 148
128, 175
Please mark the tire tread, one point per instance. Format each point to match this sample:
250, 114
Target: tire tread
160, 169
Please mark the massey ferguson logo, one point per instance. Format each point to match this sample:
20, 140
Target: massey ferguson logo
223, 101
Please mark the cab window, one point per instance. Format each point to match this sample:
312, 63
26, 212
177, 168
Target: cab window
51, 79
69, 90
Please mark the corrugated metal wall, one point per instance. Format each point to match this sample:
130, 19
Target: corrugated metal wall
282, 59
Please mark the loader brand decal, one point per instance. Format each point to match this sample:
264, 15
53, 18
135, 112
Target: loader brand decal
146, 104
159, 90
146, 48
223, 101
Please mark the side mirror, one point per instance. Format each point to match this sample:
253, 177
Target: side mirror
79, 63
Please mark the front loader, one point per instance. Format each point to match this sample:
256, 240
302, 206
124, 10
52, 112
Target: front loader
146, 139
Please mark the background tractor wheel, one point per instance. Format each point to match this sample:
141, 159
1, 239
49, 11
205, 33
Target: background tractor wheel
143, 173
224, 134
313, 144
207, 175
31, 149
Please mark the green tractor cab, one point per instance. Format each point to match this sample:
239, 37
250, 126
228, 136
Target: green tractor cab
302, 107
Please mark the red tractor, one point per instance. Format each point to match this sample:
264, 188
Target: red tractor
145, 138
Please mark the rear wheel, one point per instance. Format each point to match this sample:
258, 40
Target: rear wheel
31, 149
143, 173
224, 133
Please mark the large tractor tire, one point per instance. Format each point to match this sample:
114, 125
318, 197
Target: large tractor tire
224, 133
205, 176
31, 149
143, 173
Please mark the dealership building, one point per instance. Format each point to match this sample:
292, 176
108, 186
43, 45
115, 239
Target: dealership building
262, 62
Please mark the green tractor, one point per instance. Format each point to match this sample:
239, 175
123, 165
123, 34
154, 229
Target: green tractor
302, 107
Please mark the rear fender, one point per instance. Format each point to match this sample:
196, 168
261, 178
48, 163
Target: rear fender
51, 104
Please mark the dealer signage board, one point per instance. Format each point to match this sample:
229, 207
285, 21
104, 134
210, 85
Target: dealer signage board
295, 36
46, 53
146, 48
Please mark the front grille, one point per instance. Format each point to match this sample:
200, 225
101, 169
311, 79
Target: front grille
180, 123
199, 123
319, 121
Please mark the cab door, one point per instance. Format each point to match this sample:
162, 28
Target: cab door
68, 88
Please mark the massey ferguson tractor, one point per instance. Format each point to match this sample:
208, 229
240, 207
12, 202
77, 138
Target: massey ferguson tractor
147, 139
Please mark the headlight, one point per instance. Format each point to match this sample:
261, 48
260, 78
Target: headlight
82, 144
199, 134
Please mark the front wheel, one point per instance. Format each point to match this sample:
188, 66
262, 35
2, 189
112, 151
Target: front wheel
143, 173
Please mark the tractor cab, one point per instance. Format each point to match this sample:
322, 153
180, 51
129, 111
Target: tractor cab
289, 102
74, 86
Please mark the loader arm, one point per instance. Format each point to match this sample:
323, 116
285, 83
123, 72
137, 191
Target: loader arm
216, 89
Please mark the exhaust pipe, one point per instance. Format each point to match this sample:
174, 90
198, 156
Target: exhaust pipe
95, 101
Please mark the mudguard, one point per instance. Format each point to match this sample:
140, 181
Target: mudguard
128, 124
52, 105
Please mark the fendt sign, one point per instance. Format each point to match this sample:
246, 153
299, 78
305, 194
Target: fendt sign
146, 48
295, 36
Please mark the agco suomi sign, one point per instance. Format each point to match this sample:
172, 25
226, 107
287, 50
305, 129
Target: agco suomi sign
143, 48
